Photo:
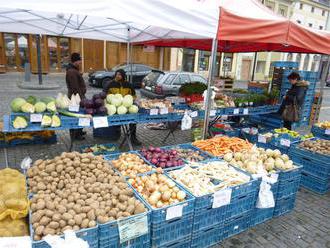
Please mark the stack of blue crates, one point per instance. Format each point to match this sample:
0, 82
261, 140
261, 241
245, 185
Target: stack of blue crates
320, 133
316, 169
288, 185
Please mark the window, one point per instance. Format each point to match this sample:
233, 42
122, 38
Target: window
142, 68
299, 21
261, 65
184, 78
10, 52
177, 80
323, 12
188, 59
58, 53
306, 62
197, 78
169, 78
282, 12
321, 27
313, 9
301, 6
23, 54
310, 25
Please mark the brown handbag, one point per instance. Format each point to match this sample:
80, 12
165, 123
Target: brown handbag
291, 112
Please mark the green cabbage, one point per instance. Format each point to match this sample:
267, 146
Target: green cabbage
16, 104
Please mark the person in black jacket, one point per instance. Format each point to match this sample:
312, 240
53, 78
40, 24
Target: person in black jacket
119, 85
296, 93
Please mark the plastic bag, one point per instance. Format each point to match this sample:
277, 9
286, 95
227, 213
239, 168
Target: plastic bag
70, 241
26, 163
13, 228
265, 197
186, 122
13, 194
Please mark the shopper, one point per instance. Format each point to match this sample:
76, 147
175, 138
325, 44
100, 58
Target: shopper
76, 85
120, 85
290, 109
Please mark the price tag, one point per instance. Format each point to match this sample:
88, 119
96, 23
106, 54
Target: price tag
148, 88
74, 108
193, 114
163, 111
327, 131
221, 198
245, 111
35, 118
153, 111
285, 142
236, 111
174, 212
15, 242
133, 227
84, 122
262, 139
213, 112
99, 122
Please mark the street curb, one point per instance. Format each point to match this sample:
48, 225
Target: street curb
36, 86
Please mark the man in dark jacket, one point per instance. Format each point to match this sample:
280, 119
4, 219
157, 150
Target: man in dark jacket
119, 85
76, 85
74, 80
296, 93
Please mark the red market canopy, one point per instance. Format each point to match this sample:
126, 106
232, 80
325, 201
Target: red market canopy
249, 26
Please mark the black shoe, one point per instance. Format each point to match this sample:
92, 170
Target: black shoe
135, 141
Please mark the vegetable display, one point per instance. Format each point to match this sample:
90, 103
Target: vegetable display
96, 105
20, 122
129, 164
158, 190
75, 191
220, 145
202, 179
117, 104
161, 157
259, 160
100, 148
324, 124
320, 146
190, 154
155, 103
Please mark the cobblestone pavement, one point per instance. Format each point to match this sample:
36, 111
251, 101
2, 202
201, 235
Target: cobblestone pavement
307, 226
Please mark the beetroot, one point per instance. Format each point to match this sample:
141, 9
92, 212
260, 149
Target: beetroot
102, 95
98, 103
89, 104
89, 111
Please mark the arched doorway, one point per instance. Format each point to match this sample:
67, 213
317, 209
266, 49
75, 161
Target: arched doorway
306, 62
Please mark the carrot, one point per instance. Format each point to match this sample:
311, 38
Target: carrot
218, 146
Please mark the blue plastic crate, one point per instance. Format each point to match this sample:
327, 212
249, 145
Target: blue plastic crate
311, 165
146, 118
289, 174
296, 150
320, 133
240, 205
315, 184
207, 237
284, 205
286, 64
175, 230
260, 215
109, 235
90, 235
116, 120
116, 150
236, 225
208, 218
288, 187
182, 243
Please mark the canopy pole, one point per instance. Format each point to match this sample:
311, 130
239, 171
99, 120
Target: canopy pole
128, 56
254, 64
209, 89
39, 59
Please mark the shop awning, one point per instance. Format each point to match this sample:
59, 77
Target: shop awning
249, 26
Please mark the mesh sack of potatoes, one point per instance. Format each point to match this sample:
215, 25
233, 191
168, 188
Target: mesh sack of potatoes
13, 228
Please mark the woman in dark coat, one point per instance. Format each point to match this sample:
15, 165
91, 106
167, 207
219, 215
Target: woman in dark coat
296, 93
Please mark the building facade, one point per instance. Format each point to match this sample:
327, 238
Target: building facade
18, 49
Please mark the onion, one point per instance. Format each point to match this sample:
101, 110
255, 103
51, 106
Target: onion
166, 196
181, 195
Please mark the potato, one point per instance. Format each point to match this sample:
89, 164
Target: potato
66, 228
92, 223
36, 237
56, 217
78, 219
102, 219
91, 214
44, 221
67, 216
49, 230
71, 222
61, 209
85, 223
49, 213
54, 225
39, 230
40, 205
123, 198
62, 223
130, 209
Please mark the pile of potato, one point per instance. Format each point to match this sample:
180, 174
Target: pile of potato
130, 164
321, 146
158, 190
75, 191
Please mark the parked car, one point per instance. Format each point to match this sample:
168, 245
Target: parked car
139, 71
158, 84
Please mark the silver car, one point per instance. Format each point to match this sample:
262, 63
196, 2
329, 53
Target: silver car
158, 84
